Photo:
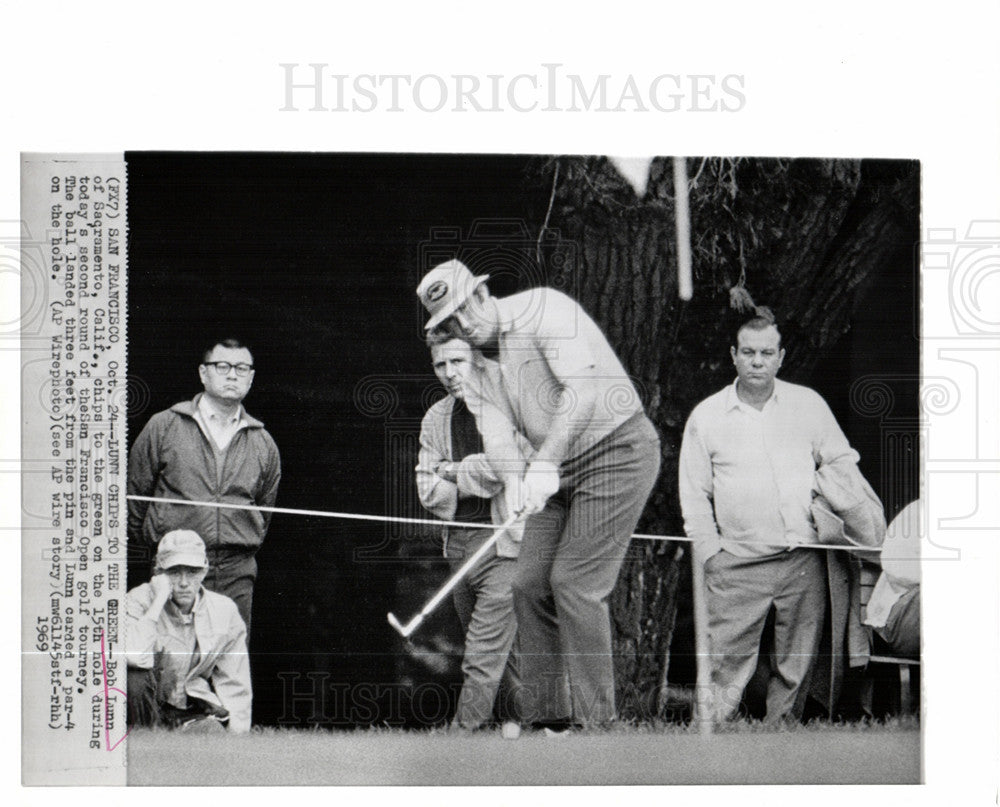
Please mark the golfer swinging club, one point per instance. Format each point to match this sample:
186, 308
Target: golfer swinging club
596, 458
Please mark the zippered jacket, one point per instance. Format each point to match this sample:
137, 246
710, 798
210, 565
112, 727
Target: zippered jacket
173, 459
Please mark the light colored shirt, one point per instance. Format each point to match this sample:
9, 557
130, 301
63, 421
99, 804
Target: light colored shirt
199, 655
218, 427
747, 476
900, 560
546, 341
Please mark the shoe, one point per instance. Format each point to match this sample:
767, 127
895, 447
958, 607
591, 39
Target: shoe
457, 728
559, 734
209, 724
555, 728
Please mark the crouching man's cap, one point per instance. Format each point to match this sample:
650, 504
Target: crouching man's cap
181, 548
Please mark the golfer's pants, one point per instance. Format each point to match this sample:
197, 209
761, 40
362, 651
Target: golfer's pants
484, 601
233, 572
569, 562
740, 594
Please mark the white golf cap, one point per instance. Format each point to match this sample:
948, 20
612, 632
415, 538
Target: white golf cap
445, 287
181, 548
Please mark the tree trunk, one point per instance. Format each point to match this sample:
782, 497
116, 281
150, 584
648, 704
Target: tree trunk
802, 237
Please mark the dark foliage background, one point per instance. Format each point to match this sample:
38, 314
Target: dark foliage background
313, 259
829, 246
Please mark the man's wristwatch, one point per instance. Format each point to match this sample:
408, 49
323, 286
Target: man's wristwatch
447, 470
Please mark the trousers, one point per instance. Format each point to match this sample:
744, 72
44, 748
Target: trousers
569, 562
233, 572
902, 628
740, 594
484, 601
145, 710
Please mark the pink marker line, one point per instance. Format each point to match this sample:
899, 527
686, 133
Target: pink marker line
107, 702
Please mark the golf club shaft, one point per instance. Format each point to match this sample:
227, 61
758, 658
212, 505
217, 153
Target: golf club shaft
463, 570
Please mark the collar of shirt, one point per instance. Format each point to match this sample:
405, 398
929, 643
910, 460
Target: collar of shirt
486, 383
211, 416
479, 361
179, 616
485, 367
733, 398
506, 318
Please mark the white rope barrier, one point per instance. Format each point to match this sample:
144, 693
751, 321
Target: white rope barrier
704, 708
317, 513
428, 522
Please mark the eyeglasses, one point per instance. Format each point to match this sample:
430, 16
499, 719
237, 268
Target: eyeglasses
223, 368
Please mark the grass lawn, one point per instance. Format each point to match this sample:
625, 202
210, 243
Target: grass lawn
874, 754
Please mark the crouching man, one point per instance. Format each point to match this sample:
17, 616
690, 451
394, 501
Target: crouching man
185, 646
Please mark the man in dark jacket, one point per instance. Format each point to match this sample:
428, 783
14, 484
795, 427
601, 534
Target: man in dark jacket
210, 450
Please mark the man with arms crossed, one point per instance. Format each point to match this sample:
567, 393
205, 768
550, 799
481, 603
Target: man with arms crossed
596, 458
747, 477
457, 483
185, 646
209, 449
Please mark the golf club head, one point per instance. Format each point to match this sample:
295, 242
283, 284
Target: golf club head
397, 625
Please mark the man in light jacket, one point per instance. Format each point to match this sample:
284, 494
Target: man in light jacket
185, 646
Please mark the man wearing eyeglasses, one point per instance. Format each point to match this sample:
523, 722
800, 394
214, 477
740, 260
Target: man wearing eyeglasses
210, 450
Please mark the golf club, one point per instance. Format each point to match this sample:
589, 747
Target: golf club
406, 630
